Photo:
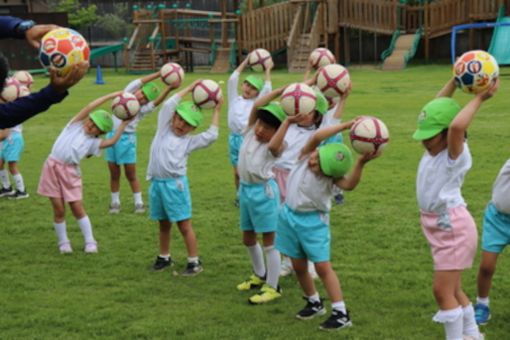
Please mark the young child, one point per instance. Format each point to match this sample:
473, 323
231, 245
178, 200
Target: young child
10, 153
170, 200
495, 237
124, 151
61, 179
239, 108
446, 223
303, 225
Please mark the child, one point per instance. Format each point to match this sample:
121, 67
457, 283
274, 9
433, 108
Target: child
124, 151
169, 195
495, 237
239, 108
10, 153
446, 223
61, 179
303, 226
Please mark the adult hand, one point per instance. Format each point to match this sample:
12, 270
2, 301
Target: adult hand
62, 83
35, 34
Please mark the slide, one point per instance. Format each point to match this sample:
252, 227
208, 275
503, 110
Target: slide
499, 47
101, 51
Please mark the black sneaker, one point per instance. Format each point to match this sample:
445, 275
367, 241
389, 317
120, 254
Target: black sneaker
161, 263
337, 320
311, 309
339, 199
18, 195
192, 269
6, 192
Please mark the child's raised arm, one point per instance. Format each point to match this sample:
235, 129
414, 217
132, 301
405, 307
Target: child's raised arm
308, 70
341, 104
448, 89
276, 144
216, 114
84, 113
322, 135
262, 101
150, 77
350, 181
106, 143
164, 94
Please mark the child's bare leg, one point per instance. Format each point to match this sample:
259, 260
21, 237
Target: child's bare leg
13, 168
164, 237
236, 177
444, 288
190, 239
114, 177
330, 280
486, 272
469, 326
273, 259
59, 209
130, 172
305, 280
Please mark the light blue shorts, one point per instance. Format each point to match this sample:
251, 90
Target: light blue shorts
303, 235
12, 147
124, 151
259, 204
496, 230
234, 145
170, 199
338, 138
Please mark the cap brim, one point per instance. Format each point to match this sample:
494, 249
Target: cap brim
185, 116
425, 134
254, 85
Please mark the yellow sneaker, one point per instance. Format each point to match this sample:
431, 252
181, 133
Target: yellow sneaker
266, 294
252, 283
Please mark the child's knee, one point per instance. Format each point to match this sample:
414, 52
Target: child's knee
487, 271
323, 269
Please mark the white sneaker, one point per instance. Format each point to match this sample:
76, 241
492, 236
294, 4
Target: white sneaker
114, 208
91, 247
139, 208
65, 248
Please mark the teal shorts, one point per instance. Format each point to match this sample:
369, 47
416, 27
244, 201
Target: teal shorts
12, 147
304, 235
496, 230
259, 204
234, 145
170, 199
124, 151
338, 138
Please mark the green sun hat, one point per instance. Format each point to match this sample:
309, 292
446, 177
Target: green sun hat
335, 159
436, 116
255, 81
190, 113
151, 91
102, 119
321, 105
275, 109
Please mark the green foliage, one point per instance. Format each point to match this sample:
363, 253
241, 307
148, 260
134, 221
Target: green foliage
79, 15
117, 23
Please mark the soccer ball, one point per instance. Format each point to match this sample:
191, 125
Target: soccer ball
260, 59
12, 90
369, 134
125, 106
298, 98
475, 71
62, 48
321, 57
333, 80
172, 73
24, 78
206, 94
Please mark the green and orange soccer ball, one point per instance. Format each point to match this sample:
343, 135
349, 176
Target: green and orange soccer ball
475, 71
62, 48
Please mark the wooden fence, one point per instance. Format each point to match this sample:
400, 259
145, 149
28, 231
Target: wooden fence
372, 15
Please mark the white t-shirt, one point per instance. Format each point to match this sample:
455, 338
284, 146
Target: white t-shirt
306, 191
255, 160
440, 179
73, 144
17, 128
239, 108
501, 189
169, 153
132, 87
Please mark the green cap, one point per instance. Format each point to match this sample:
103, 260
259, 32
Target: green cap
190, 113
436, 116
275, 109
321, 105
255, 81
151, 91
102, 119
335, 159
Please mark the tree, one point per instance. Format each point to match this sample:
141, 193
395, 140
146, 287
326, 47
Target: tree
80, 16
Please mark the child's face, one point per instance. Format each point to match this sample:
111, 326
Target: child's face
248, 91
91, 128
263, 131
180, 127
141, 97
314, 164
436, 144
309, 119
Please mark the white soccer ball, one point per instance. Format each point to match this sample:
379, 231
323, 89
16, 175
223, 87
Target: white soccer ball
172, 73
24, 77
321, 57
125, 106
12, 90
333, 80
369, 134
298, 98
206, 94
260, 59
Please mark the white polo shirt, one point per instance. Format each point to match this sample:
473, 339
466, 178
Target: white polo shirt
132, 87
73, 144
501, 189
255, 160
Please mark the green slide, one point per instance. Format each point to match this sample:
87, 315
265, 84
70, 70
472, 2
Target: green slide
499, 47
101, 51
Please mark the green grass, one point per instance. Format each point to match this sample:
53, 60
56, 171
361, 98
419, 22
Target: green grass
378, 249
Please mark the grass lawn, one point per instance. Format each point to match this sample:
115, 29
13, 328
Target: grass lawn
378, 250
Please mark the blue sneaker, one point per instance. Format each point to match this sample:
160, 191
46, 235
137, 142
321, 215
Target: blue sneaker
482, 314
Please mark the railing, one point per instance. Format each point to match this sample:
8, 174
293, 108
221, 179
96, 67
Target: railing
416, 41
373, 15
386, 53
295, 33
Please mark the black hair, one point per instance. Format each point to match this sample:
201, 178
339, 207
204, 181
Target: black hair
317, 119
268, 118
4, 70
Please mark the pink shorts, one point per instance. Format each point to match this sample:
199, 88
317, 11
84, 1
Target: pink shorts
281, 176
60, 180
452, 248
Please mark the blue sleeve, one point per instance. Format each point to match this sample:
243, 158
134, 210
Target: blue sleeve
8, 27
16, 112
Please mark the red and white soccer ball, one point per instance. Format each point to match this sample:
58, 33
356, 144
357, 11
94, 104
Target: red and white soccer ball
321, 57
62, 48
475, 71
125, 106
260, 59
206, 94
333, 80
12, 90
298, 98
24, 77
369, 134
172, 73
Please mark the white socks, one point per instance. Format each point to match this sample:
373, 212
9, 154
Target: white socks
116, 197
4, 177
193, 259
60, 229
483, 301
257, 260
273, 266
469, 323
18, 179
314, 298
339, 305
452, 320
137, 197
86, 229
